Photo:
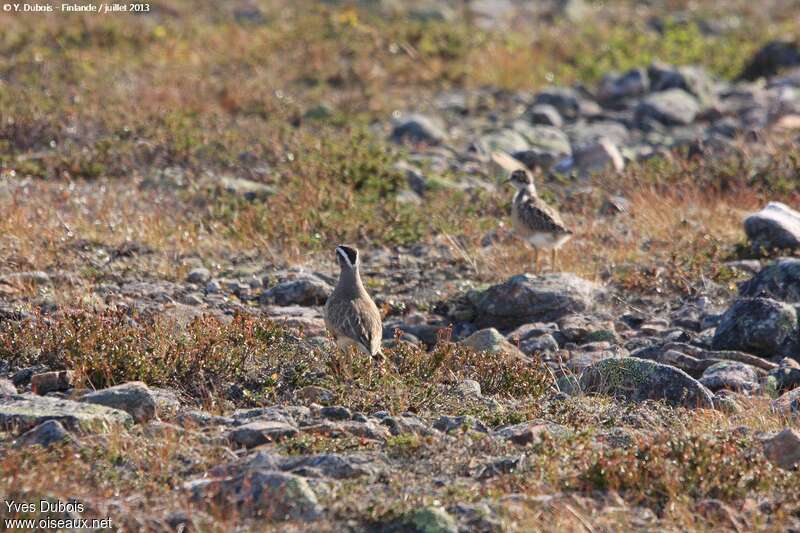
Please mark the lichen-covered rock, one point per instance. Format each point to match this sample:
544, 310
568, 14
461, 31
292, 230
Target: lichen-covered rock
426, 520
259, 493
19, 413
730, 375
491, 340
788, 403
779, 281
525, 298
446, 424
758, 325
775, 226
133, 397
635, 379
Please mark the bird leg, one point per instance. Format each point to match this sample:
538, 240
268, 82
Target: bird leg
553, 260
535, 260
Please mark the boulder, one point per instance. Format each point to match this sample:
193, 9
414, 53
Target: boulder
770, 59
779, 281
304, 291
7, 387
199, 275
258, 492
418, 129
783, 449
261, 432
597, 157
787, 404
614, 87
425, 520
57, 381
248, 189
635, 379
569, 102
19, 413
491, 340
545, 114
525, 298
45, 434
673, 107
730, 375
777, 226
133, 397
760, 326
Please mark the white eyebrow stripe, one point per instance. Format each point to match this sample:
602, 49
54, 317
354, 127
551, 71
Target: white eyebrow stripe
341, 252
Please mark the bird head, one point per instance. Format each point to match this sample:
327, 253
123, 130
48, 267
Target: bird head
521, 179
347, 257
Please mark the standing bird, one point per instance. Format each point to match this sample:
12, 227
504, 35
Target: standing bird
533, 220
350, 314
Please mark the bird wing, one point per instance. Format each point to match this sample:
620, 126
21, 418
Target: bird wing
359, 320
538, 216
507, 162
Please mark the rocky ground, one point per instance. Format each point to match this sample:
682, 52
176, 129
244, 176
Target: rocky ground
163, 358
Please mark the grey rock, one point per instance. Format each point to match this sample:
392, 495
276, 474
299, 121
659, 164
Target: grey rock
525, 298
730, 375
261, 432
418, 129
583, 134
692, 79
784, 378
47, 382
507, 140
133, 397
772, 57
332, 465
491, 340
7, 387
545, 139
248, 189
775, 226
45, 434
783, 449
545, 114
635, 379
425, 520
507, 465
787, 404
598, 157
673, 107
314, 394
760, 326
779, 281
469, 388
259, 492
304, 291
531, 431
406, 424
632, 83
19, 413
446, 424
336, 412
199, 275
569, 102
541, 344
